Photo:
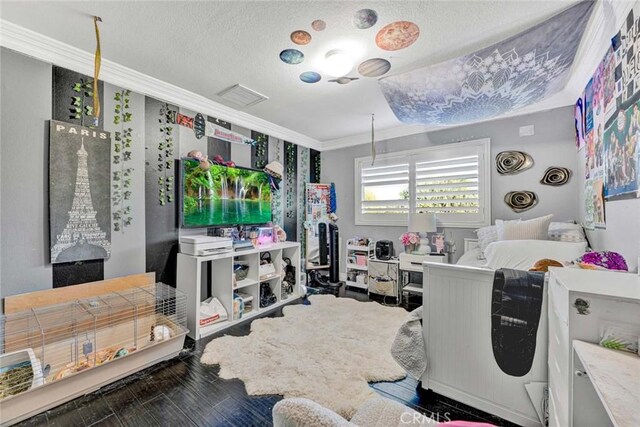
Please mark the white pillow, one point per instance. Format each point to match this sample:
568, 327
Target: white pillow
523, 254
488, 235
533, 229
566, 232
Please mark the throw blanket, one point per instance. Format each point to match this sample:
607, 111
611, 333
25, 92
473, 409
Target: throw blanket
408, 347
515, 314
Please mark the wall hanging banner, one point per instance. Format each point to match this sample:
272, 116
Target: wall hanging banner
201, 128
219, 132
579, 122
79, 194
626, 47
96, 72
499, 79
622, 154
594, 204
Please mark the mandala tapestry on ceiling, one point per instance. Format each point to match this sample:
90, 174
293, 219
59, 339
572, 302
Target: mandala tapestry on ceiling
509, 75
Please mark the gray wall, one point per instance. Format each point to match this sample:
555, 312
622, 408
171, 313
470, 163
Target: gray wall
24, 158
552, 145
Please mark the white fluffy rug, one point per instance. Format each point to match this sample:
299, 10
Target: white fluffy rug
326, 352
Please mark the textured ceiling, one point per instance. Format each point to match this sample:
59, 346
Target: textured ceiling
206, 47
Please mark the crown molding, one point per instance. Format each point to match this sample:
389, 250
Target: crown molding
49, 50
380, 135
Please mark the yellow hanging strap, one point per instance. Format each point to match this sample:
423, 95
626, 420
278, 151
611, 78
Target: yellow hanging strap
96, 73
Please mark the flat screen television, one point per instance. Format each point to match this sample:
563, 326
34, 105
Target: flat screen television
224, 196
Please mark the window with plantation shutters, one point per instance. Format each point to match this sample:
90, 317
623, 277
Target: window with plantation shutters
384, 190
451, 181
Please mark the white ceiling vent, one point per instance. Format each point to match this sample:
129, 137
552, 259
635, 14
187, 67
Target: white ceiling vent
242, 95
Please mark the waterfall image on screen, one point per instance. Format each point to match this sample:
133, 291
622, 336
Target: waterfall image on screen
224, 196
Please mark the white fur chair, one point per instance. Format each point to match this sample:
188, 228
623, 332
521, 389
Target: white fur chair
376, 412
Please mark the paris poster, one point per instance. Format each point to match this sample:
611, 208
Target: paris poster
79, 193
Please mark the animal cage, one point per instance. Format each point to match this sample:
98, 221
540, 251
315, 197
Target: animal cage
52, 350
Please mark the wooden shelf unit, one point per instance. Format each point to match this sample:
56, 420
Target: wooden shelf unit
193, 276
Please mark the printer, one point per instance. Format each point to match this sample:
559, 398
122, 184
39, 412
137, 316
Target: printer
205, 245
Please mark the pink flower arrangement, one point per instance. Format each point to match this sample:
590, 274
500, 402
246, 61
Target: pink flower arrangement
409, 239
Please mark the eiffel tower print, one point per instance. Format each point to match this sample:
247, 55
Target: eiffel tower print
82, 237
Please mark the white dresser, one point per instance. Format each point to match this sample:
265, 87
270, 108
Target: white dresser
582, 303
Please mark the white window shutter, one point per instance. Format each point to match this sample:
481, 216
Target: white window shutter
452, 181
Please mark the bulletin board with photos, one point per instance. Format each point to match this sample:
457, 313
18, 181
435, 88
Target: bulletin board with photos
608, 124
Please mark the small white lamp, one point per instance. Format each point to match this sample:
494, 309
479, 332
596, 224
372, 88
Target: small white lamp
422, 223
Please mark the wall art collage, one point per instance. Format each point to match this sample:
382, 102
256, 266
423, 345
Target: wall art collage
607, 119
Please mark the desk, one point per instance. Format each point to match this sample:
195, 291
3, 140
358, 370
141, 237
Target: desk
610, 376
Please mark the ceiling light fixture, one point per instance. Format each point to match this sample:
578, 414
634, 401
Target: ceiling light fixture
337, 63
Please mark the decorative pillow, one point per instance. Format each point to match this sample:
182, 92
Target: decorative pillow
533, 229
603, 260
487, 235
566, 232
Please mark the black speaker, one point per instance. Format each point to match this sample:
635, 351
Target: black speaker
334, 268
322, 237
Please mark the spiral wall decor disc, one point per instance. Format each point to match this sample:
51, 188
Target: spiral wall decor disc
520, 201
556, 176
513, 162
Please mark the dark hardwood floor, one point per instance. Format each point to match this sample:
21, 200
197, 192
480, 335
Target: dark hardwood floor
184, 392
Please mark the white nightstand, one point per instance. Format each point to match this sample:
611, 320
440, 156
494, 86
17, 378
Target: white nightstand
383, 278
411, 263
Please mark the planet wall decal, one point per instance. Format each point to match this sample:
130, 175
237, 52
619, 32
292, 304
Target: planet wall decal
292, 56
374, 67
318, 25
310, 77
343, 80
300, 37
397, 35
365, 18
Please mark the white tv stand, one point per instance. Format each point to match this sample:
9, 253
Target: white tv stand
192, 273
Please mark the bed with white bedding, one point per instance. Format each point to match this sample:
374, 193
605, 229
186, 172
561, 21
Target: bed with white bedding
457, 329
472, 258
